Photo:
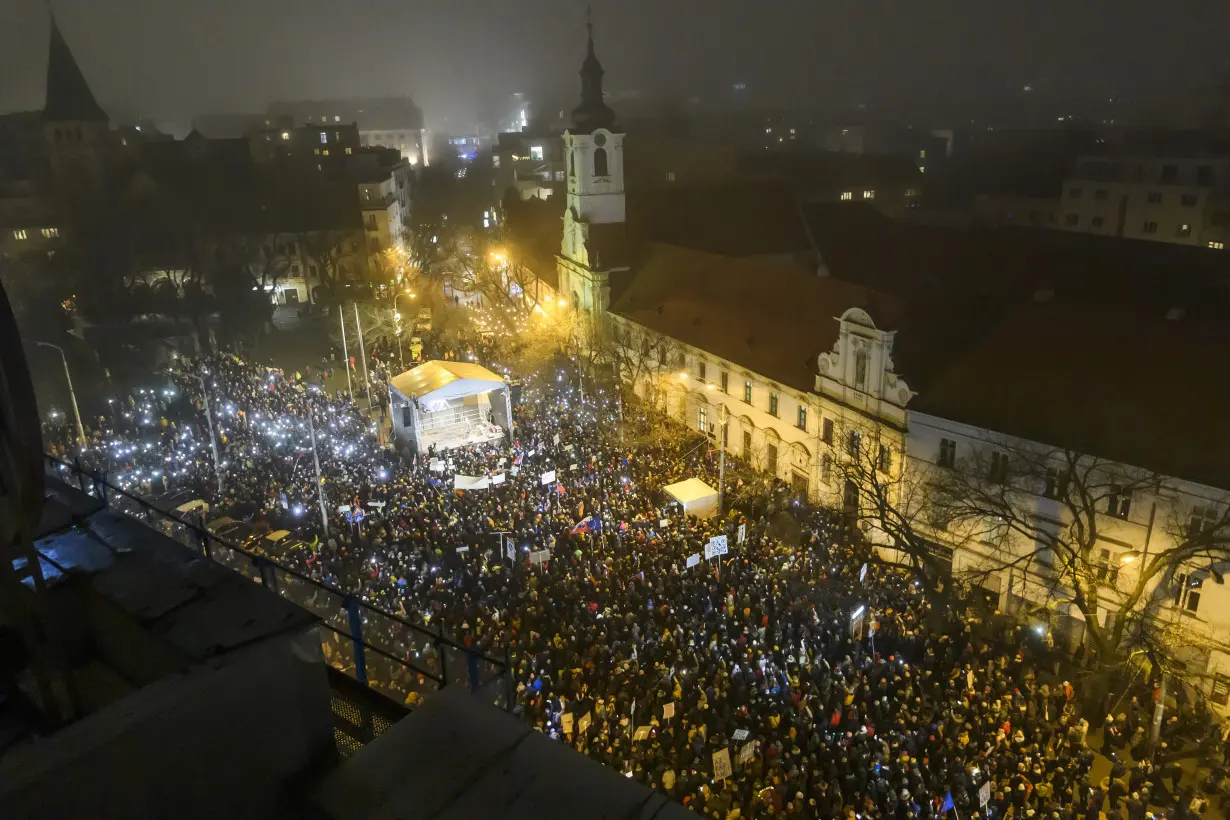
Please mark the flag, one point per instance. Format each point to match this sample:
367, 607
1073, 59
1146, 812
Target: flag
948, 804
584, 526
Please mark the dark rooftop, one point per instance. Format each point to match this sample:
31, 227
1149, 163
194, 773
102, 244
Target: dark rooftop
69, 98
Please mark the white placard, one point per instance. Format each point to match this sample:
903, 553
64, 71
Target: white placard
510, 549
572, 466
693, 560
463, 549
984, 794
721, 764
862, 574
470, 482
566, 720
497, 479
742, 533
668, 710
515, 470
740, 734
548, 477
747, 753
665, 522
344, 508
539, 557
715, 547
436, 465
377, 504
556, 439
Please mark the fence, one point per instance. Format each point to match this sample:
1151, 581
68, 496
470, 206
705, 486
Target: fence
378, 649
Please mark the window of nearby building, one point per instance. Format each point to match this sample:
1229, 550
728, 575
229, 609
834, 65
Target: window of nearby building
948, 453
702, 418
1204, 175
1107, 568
1170, 173
747, 443
885, 460
1183, 230
285, 135
317, 152
1118, 502
997, 470
860, 370
1154, 198
701, 371
911, 192
600, 163
922, 153
772, 403
1096, 222
349, 150
1056, 483
854, 443
1204, 519
849, 495
725, 380
19, 234
801, 420
869, 194
847, 195
670, 176
1071, 219
1149, 227
1187, 592
324, 137
747, 392
1188, 200
826, 431
770, 459
325, 152
536, 152
826, 467
1217, 246
1075, 193
1100, 194
50, 233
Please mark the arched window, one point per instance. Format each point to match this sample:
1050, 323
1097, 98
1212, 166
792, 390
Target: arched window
860, 370
572, 166
600, 167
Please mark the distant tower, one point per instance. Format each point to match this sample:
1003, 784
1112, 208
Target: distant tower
74, 125
594, 237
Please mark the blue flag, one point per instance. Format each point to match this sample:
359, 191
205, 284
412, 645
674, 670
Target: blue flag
948, 804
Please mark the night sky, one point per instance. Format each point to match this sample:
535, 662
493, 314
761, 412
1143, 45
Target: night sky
165, 58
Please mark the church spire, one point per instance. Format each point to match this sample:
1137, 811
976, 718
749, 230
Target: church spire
69, 98
592, 113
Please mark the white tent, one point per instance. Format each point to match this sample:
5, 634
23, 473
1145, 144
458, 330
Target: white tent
449, 404
695, 496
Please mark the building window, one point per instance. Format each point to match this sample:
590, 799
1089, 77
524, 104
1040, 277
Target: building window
349, 150
885, 460
1154, 198
701, 371
948, 453
1056, 483
922, 153
850, 496
747, 443
559, 176
1217, 246
869, 194
600, 164
1096, 222
1204, 519
1204, 175
801, 420
847, 195
860, 370
911, 193
1187, 592
536, 152
1100, 194
725, 380
770, 459
1149, 227
1118, 503
854, 443
324, 137
325, 152
747, 392
826, 431
285, 135
702, 418
1170, 173
19, 234
1183, 231
826, 467
50, 233
1071, 220
997, 470
1188, 200
772, 403
670, 176
1074, 193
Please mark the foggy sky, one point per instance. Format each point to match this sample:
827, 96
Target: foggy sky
175, 58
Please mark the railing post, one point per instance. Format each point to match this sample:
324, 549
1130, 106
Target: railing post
268, 576
202, 536
442, 653
355, 616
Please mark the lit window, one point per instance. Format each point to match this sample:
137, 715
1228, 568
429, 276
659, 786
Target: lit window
1217, 246
801, 421
922, 153
1149, 227
847, 195
349, 150
49, 233
19, 234
869, 194
911, 192
285, 135
536, 152
772, 404
336, 118
670, 176
324, 137
325, 152
1184, 230
318, 152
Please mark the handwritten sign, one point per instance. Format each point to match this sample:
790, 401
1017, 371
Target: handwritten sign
721, 764
668, 710
984, 794
748, 752
377, 504
715, 547
540, 557
463, 550
556, 439
862, 574
693, 560
742, 533
583, 723
566, 720
642, 733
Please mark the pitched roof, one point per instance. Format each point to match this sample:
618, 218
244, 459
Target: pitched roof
69, 98
445, 380
770, 316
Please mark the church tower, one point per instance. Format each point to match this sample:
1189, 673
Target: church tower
75, 127
594, 242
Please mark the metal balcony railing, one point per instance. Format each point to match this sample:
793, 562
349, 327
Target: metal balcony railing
376, 648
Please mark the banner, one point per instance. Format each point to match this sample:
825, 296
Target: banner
721, 764
693, 560
548, 477
715, 547
470, 482
497, 479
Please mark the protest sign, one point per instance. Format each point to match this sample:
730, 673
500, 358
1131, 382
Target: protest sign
566, 721
715, 547
470, 482
693, 560
668, 710
583, 723
436, 465
721, 764
747, 753
548, 477
539, 557
497, 479
740, 734
641, 733
742, 533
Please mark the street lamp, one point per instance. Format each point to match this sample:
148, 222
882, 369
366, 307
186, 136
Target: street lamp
213, 439
401, 358
72, 395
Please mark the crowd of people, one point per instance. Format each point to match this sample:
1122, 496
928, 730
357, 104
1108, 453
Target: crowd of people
793, 677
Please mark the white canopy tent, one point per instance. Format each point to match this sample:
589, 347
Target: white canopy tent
449, 404
696, 497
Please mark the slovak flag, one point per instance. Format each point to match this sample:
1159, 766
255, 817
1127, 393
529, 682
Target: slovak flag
588, 524
948, 804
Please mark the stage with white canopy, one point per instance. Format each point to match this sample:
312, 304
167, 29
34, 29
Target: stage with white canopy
449, 404
695, 496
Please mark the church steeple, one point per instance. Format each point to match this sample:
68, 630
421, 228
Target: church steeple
592, 113
69, 98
